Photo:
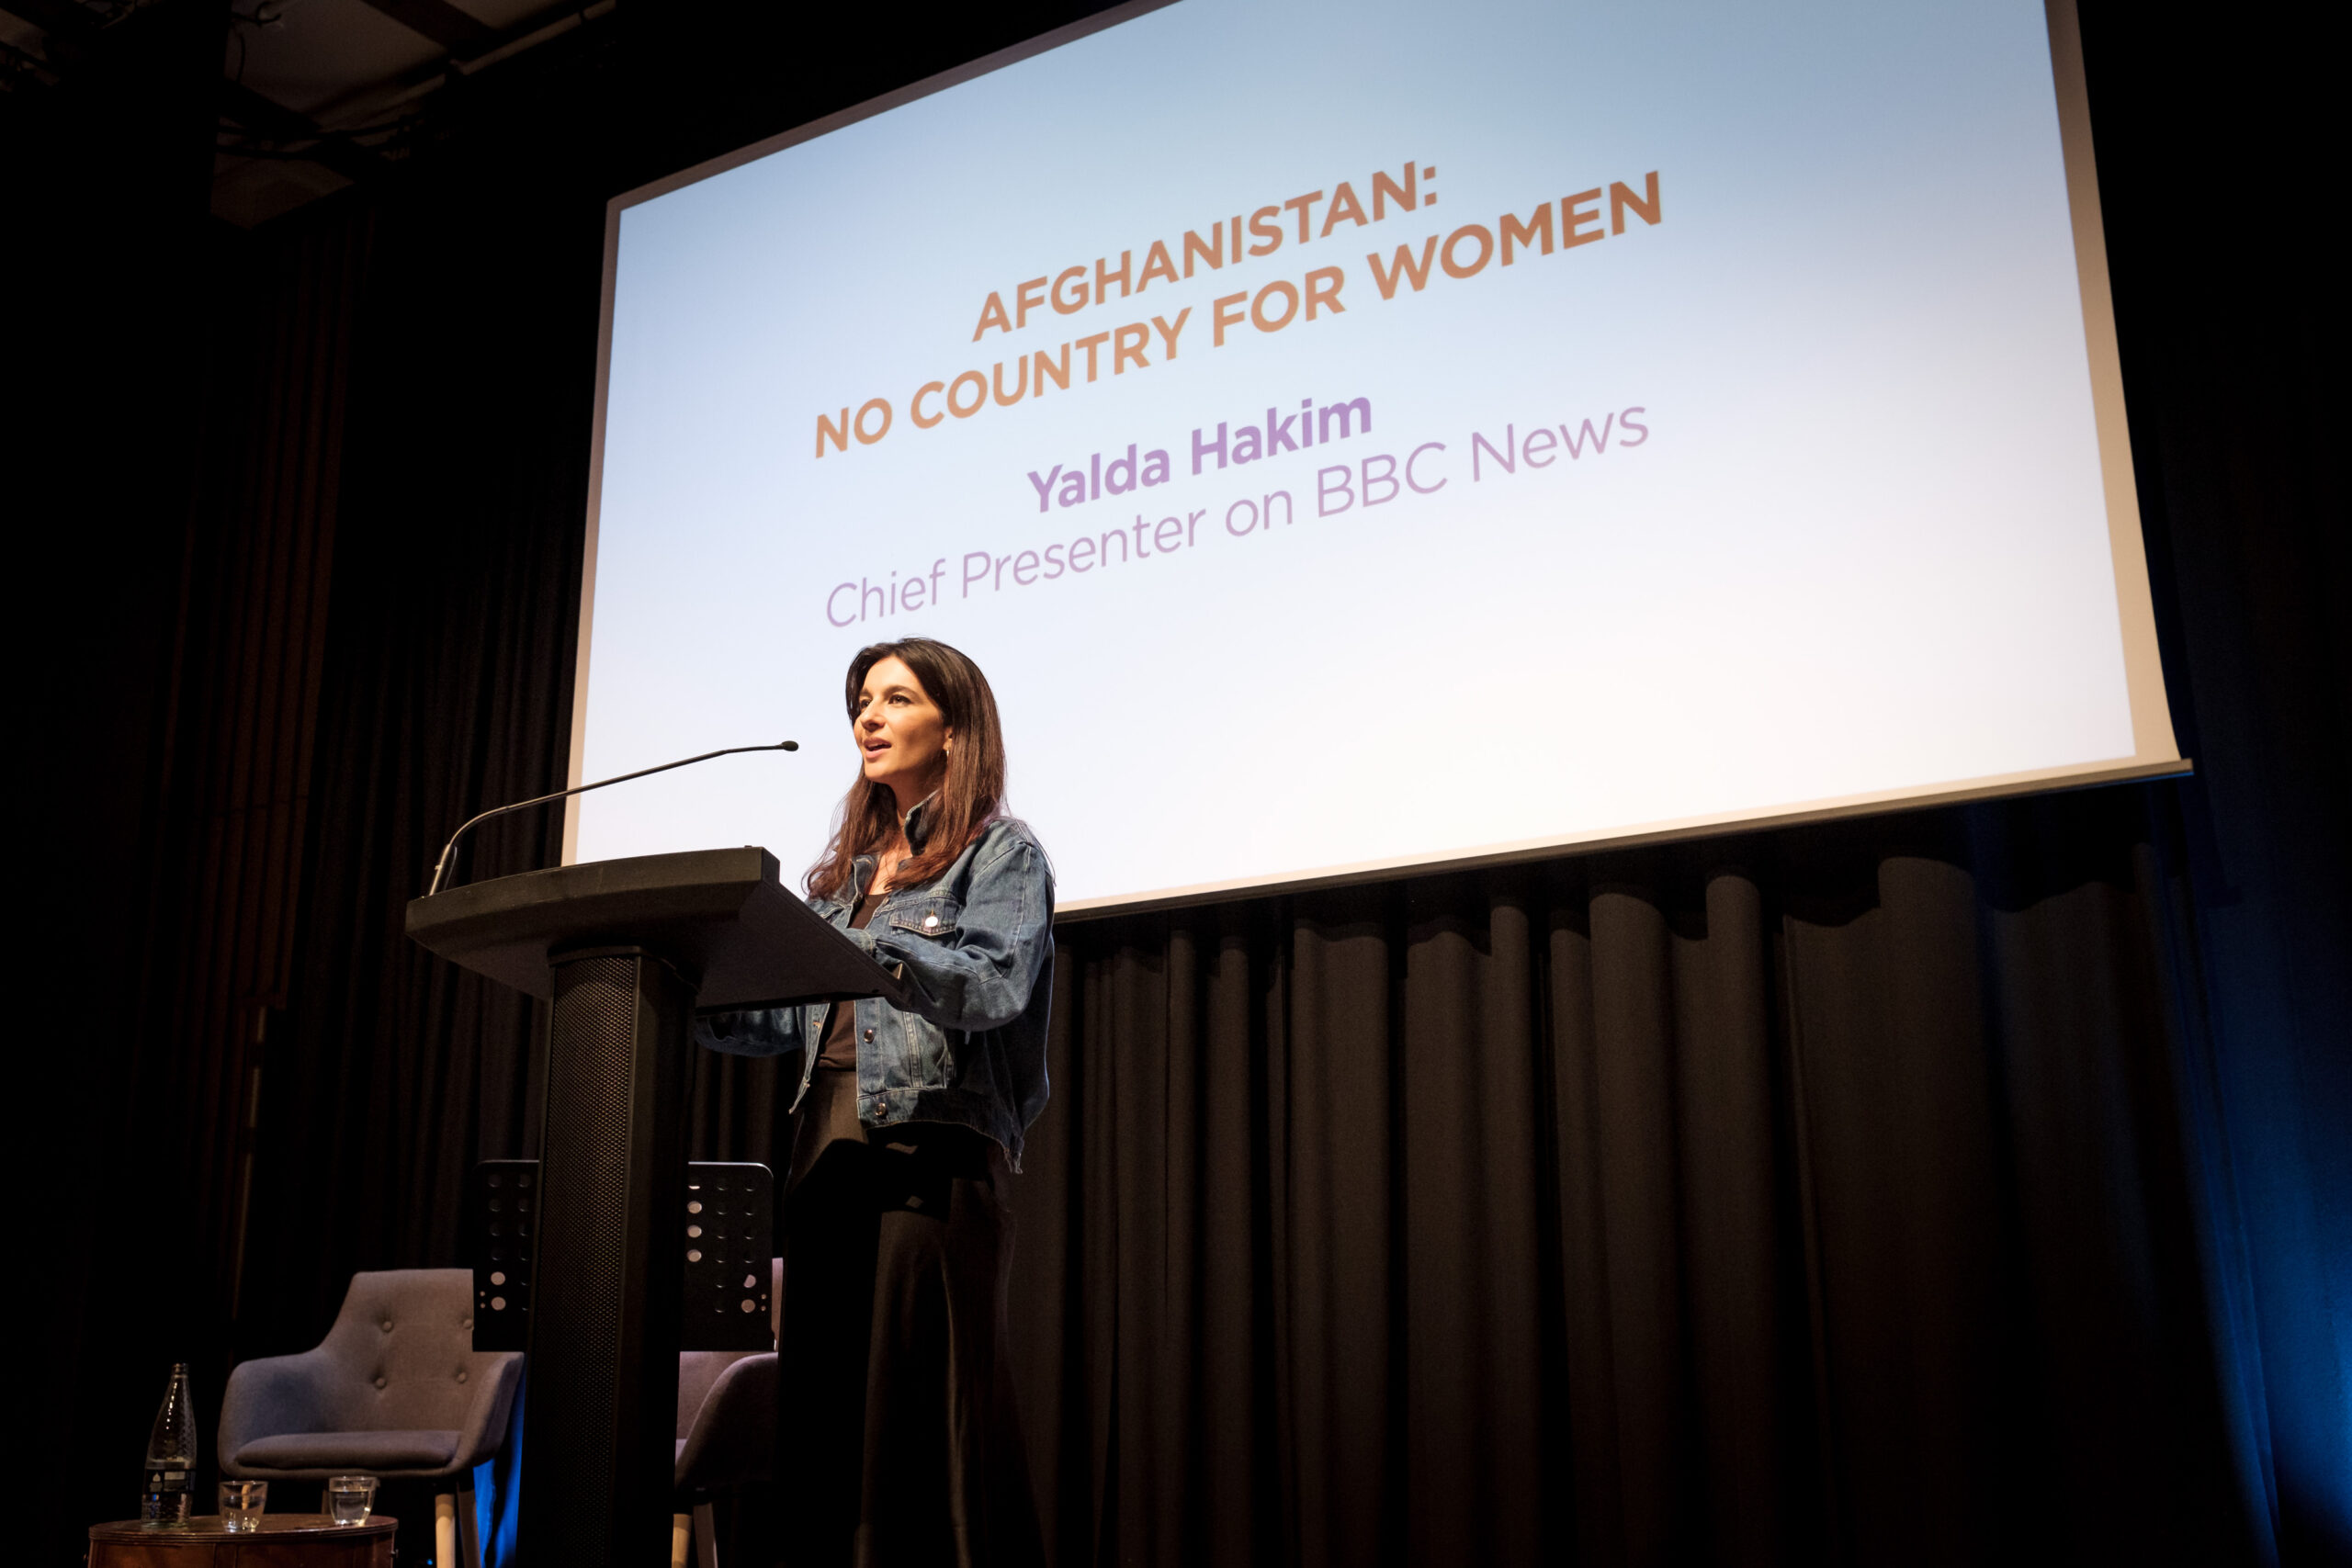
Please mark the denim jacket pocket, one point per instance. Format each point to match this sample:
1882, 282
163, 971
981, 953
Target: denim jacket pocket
933, 915
927, 1049
928, 1053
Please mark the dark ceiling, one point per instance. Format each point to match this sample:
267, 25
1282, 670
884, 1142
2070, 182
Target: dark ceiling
313, 93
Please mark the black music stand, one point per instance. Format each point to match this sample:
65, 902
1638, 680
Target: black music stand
729, 1228
627, 950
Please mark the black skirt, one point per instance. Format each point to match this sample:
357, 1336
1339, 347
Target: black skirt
897, 1440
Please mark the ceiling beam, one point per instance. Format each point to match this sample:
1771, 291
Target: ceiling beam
59, 18
463, 35
273, 121
264, 116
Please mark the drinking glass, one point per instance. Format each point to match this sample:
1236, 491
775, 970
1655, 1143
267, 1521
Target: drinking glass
241, 1503
350, 1498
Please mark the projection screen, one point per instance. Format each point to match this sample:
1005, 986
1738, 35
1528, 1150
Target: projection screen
1364, 437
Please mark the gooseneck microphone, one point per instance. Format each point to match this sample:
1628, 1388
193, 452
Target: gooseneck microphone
441, 866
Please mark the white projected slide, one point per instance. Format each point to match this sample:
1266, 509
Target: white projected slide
1358, 436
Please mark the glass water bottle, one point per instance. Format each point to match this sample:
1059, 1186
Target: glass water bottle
171, 1453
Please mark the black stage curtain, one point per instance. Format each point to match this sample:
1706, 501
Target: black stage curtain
394, 1073
1816, 1197
1783, 1200
1963, 1186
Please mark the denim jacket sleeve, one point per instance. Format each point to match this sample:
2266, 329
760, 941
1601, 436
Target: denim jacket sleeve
981, 977
777, 1032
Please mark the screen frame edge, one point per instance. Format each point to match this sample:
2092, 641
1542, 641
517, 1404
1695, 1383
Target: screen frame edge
2152, 740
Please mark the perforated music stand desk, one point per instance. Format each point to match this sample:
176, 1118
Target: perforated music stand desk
627, 950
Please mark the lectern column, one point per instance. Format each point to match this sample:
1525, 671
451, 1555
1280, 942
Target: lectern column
598, 1445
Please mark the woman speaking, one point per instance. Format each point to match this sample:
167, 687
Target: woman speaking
897, 1437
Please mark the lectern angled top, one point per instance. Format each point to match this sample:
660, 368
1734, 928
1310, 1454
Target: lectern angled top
722, 917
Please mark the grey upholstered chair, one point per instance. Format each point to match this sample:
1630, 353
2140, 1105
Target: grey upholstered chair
396, 1391
726, 1430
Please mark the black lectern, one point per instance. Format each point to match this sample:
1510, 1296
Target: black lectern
626, 949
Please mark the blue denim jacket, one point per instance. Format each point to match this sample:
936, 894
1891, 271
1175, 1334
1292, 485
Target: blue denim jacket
977, 946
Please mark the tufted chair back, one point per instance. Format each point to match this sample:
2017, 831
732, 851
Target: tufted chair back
402, 1352
395, 1389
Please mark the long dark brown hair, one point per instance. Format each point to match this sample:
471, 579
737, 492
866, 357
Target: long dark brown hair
969, 797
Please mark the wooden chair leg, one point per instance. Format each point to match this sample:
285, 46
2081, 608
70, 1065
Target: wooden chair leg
468, 1525
445, 1530
706, 1534
682, 1529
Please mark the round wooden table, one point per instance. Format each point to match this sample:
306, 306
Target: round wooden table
284, 1540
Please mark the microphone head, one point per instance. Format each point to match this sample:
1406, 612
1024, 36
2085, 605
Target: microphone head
788, 745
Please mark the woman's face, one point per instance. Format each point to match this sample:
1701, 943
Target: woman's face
900, 733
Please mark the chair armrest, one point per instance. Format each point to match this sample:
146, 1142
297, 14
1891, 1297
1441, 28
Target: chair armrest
271, 1395
494, 1402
